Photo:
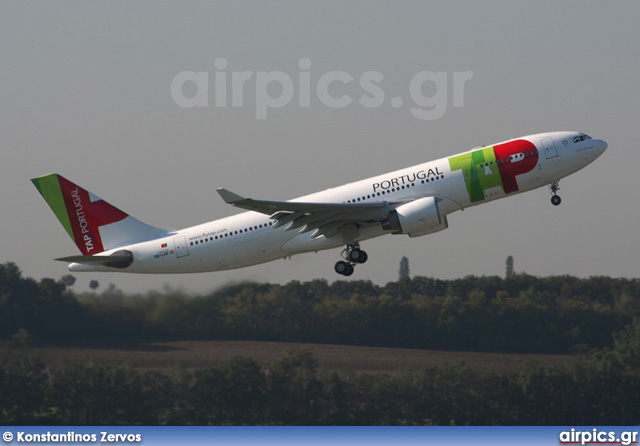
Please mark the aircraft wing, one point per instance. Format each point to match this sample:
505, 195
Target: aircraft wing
323, 218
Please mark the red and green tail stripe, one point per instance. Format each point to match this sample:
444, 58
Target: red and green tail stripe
80, 213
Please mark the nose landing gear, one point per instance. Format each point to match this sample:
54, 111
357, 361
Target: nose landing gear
353, 256
555, 199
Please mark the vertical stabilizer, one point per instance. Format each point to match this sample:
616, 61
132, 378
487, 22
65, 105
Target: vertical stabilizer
93, 224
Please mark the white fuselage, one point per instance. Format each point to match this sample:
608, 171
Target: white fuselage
250, 238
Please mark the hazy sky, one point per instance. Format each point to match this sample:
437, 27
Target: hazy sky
85, 91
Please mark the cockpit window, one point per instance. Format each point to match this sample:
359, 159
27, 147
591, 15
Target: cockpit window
581, 138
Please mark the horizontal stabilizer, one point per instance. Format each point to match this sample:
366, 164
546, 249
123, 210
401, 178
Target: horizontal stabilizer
119, 259
91, 260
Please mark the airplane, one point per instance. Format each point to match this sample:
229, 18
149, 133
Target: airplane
415, 201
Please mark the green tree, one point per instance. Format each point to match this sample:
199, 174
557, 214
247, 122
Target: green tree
231, 394
295, 392
68, 280
23, 392
627, 345
45, 309
93, 394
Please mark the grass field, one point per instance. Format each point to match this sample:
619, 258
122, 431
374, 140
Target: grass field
165, 356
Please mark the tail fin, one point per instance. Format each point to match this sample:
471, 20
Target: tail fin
92, 223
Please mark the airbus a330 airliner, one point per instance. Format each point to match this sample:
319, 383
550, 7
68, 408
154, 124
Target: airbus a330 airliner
415, 201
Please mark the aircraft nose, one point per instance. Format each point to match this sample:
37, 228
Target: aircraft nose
600, 146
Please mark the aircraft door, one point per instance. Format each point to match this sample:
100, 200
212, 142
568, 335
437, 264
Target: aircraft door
549, 148
181, 246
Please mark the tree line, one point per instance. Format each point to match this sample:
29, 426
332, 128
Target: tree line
521, 313
602, 389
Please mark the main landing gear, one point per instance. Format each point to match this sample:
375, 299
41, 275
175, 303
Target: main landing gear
353, 256
555, 199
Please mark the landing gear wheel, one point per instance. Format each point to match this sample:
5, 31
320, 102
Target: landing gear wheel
554, 188
357, 256
343, 268
352, 255
349, 270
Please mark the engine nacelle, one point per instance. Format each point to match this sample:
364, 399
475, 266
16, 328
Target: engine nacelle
417, 218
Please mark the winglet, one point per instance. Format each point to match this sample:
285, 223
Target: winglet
229, 197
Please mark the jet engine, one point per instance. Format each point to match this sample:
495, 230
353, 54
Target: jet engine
416, 218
